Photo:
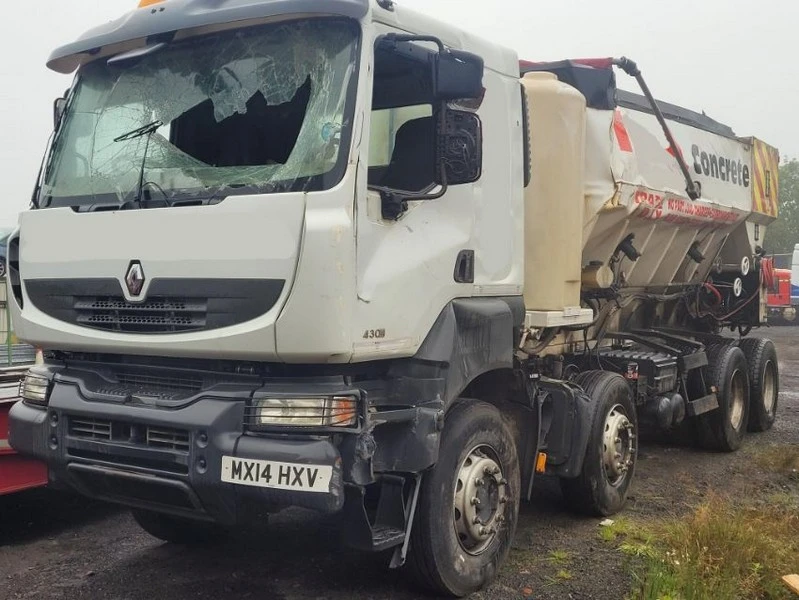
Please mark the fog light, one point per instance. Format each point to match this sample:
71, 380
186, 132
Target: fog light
35, 388
335, 411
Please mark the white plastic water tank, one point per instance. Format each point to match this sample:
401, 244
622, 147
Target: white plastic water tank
554, 200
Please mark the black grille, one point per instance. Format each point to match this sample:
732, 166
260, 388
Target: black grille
155, 314
149, 386
167, 383
91, 429
171, 439
172, 305
149, 436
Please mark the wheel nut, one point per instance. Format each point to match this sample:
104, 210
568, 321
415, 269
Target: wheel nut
475, 501
483, 531
503, 500
476, 521
478, 482
503, 482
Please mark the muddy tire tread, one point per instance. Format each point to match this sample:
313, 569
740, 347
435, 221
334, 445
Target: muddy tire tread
758, 351
712, 427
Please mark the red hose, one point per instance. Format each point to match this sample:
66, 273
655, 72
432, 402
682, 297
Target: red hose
713, 290
767, 271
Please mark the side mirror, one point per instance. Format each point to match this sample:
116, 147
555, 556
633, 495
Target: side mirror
59, 106
459, 153
458, 75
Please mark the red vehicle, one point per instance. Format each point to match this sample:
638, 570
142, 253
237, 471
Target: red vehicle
779, 296
16, 473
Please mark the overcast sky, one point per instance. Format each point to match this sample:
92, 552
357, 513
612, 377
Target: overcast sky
735, 59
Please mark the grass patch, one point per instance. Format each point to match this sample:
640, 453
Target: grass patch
720, 552
559, 577
624, 529
786, 500
564, 575
560, 556
780, 459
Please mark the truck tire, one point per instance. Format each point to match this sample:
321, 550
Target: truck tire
468, 503
601, 487
185, 532
724, 429
764, 382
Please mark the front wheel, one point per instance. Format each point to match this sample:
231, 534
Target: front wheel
601, 487
468, 504
185, 532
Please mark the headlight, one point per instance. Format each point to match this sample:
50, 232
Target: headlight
335, 411
35, 388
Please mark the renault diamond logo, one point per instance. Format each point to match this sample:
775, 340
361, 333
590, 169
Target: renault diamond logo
135, 278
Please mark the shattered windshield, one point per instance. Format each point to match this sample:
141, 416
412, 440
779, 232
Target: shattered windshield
258, 110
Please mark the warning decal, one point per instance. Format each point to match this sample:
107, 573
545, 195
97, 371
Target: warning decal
765, 191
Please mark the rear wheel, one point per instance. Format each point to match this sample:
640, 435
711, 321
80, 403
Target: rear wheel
601, 488
728, 373
764, 382
176, 530
468, 504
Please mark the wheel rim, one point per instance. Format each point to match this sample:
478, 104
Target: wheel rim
618, 445
737, 398
769, 388
481, 493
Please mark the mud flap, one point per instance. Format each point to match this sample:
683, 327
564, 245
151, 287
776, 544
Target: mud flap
566, 416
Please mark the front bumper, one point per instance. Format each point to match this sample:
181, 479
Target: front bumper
170, 460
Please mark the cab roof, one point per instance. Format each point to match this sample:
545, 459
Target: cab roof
154, 18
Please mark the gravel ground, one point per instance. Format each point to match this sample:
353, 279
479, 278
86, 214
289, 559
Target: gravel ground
63, 547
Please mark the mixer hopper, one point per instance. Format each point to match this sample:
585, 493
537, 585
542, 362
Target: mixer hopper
633, 213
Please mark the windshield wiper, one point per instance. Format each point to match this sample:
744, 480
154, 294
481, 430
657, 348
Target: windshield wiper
147, 130
140, 131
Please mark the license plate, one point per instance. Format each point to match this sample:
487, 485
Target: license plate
277, 475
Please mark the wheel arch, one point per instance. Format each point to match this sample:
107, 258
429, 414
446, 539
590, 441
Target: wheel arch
469, 348
500, 388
